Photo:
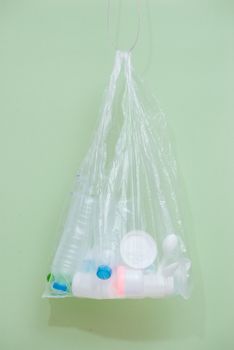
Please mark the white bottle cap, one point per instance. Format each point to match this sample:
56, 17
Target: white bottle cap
138, 249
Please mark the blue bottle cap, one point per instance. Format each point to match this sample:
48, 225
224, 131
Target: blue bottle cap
104, 272
62, 287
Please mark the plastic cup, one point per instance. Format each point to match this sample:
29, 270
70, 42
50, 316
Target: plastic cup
138, 249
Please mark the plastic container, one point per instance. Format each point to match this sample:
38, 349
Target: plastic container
123, 236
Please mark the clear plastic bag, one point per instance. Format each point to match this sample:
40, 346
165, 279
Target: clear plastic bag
123, 234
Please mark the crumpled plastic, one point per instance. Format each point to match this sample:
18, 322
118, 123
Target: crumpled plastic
122, 237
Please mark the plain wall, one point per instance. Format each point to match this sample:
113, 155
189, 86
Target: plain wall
55, 61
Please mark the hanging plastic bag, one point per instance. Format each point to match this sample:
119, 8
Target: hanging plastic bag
123, 234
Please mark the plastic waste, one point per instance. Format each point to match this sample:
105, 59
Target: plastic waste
123, 235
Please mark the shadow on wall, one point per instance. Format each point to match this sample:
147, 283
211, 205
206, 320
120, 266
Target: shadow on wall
131, 319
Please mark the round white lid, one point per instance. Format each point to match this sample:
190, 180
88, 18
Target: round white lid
138, 249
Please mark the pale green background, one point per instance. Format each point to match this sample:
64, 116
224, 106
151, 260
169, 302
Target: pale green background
55, 60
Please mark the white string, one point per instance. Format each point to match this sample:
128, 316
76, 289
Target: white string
138, 24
